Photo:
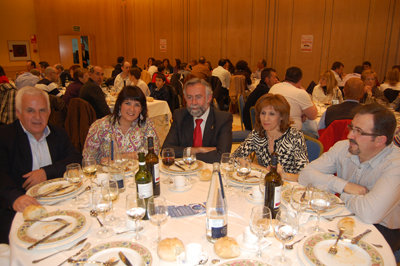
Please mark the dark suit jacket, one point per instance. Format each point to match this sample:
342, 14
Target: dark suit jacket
344, 110
92, 93
16, 160
261, 89
217, 133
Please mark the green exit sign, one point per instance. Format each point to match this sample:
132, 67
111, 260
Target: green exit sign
76, 28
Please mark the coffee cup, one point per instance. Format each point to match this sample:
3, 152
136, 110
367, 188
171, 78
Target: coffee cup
194, 254
248, 237
180, 181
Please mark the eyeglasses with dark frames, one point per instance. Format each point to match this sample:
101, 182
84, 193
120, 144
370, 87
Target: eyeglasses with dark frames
359, 132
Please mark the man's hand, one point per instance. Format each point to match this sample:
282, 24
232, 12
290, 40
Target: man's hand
355, 189
202, 149
24, 201
33, 178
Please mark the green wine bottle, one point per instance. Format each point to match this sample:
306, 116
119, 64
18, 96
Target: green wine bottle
144, 185
153, 166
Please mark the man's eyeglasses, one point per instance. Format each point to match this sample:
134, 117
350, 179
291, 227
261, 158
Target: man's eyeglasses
359, 132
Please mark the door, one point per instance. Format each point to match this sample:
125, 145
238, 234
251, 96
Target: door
74, 50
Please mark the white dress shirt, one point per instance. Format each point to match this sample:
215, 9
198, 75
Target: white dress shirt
223, 75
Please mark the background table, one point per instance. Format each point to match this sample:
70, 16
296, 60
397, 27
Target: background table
188, 229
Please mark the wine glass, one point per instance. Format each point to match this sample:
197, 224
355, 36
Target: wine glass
102, 205
157, 210
110, 193
89, 168
300, 201
227, 168
319, 202
135, 209
243, 166
285, 230
188, 157
168, 156
260, 224
74, 173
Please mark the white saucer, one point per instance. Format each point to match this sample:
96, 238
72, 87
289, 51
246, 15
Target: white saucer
172, 187
251, 199
252, 247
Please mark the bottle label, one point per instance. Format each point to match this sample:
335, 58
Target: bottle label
119, 177
157, 173
145, 190
277, 197
217, 227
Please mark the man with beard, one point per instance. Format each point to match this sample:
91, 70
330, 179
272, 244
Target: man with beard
367, 168
200, 126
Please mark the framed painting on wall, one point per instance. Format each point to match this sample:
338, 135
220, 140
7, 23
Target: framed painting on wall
19, 50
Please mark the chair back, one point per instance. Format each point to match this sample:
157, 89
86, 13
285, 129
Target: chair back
314, 148
253, 116
336, 131
7, 103
236, 88
58, 111
391, 94
241, 107
145, 76
80, 116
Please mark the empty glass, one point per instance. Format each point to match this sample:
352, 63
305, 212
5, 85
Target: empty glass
188, 157
135, 209
260, 224
74, 173
227, 168
102, 205
157, 210
319, 203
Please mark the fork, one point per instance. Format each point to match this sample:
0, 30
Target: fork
333, 249
330, 219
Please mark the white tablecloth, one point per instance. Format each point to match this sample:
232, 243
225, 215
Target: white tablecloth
188, 229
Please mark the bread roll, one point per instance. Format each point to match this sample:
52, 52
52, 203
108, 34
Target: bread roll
348, 224
227, 248
34, 212
169, 248
205, 174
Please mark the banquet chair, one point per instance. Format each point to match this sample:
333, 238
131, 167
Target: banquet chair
58, 111
80, 116
336, 131
240, 136
237, 87
314, 148
145, 76
253, 116
390, 94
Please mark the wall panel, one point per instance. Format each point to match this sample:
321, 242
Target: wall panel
350, 31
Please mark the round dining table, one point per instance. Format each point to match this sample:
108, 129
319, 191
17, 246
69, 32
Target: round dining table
189, 229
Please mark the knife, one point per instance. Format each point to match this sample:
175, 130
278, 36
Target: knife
180, 167
47, 237
80, 193
357, 238
85, 247
57, 188
124, 259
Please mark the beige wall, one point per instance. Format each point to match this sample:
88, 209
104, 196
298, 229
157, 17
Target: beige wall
349, 31
18, 24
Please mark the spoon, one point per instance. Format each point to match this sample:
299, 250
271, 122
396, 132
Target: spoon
94, 213
290, 246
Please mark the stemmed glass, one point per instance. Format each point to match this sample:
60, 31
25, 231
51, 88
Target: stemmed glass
243, 169
300, 201
89, 168
320, 201
102, 204
111, 193
74, 173
135, 209
157, 210
227, 169
188, 157
168, 156
285, 230
260, 224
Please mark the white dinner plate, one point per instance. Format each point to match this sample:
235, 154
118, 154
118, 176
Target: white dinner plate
136, 253
173, 169
29, 232
251, 180
243, 262
50, 185
315, 248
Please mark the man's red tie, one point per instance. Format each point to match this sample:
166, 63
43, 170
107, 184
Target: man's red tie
197, 137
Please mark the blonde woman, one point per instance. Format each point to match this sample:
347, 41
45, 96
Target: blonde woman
327, 86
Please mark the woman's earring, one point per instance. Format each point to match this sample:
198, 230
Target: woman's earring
141, 116
119, 114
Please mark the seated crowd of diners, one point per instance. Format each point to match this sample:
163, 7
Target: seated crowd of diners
362, 168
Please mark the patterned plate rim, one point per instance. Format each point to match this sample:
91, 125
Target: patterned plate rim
142, 250
243, 182
309, 244
286, 198
243, 262
33, 190
80, 218
169, 171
